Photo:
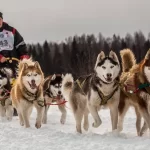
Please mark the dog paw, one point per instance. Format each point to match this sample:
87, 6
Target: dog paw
62, 120
27, 126
38, 125
119, 128
96, 124
44, 121
21, 123
86, 127
9, 118
140, 134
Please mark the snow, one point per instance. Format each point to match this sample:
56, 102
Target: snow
55, 136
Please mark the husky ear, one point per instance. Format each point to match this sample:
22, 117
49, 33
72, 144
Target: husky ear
100, 57
36, 65
62, 76
53, 77
113, 56
147, 56
25, 66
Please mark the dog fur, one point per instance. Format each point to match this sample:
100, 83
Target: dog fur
134, 74
52, 94
83, 94
28, 92
6, 108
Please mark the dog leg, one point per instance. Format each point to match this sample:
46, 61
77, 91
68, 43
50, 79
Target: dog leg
86, 120
9, 109
9, 112
93, 110
145, 114
46, 108
21, 119
25, 107
114, 116
64, 113
78, 117
138, 121
2, 112
123, 108
45, 114
144, 129
40, 112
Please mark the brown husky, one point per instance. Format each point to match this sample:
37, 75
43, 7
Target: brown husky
133, 76
28, 91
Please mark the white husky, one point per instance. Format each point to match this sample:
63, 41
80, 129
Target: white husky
100, 89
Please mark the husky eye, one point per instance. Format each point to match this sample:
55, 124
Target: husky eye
112, 67
35, 74
103, 67
28, 75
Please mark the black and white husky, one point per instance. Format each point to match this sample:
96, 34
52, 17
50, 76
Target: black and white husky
52, 94
6, 108
96, 91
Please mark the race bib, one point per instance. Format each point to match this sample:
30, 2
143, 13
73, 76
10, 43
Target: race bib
6, 40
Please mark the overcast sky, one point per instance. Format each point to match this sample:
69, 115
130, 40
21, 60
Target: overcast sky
54, 20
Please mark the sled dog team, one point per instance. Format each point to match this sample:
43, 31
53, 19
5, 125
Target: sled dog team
112, 85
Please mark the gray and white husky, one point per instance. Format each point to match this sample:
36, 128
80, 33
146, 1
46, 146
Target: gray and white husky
96, 91
52, 94
6, 108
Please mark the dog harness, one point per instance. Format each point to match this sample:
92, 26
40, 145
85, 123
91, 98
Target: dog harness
53, 99
104, 99
4, 96
30, 97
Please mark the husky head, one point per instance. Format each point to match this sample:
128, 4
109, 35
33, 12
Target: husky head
146, 66
107, 68
55, 85
31, 76
3, 79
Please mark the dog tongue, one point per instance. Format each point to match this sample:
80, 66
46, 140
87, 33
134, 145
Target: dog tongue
59, 96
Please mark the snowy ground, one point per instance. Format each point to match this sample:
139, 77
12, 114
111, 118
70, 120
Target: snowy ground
55, 136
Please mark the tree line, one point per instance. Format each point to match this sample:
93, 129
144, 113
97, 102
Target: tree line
77, 54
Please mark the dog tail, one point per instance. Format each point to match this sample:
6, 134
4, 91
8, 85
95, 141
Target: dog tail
128, 59
67, 85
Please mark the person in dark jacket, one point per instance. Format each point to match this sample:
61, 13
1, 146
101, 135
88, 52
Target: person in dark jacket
11, 45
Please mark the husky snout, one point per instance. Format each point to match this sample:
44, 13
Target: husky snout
33, 84
109, 75
33, 81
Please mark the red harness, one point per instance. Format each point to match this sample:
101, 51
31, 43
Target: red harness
56, 99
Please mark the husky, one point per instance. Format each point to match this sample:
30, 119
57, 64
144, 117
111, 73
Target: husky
133, 76
6, 108
52, 93
88, 94
28, 92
